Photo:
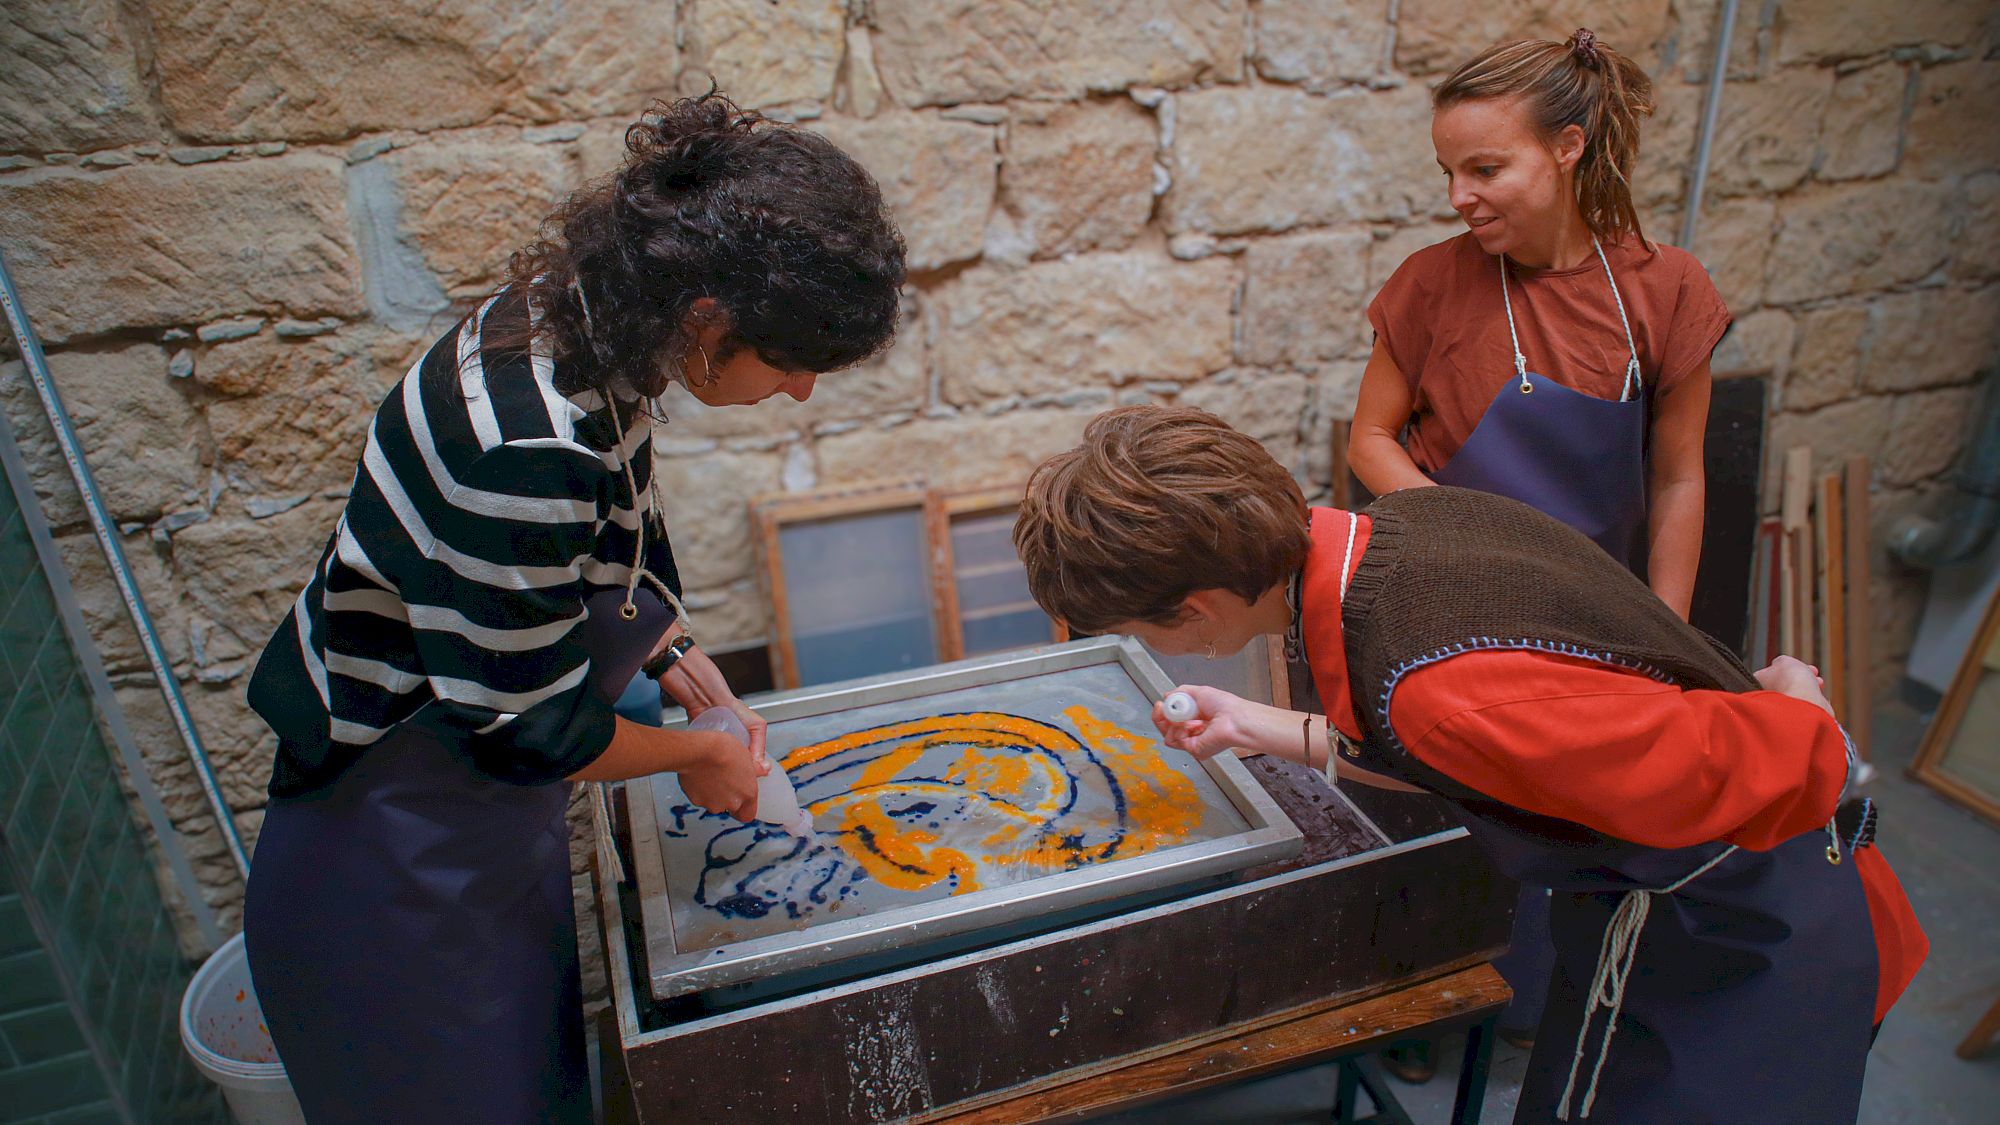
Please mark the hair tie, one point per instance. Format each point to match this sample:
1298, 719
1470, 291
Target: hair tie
1584, 46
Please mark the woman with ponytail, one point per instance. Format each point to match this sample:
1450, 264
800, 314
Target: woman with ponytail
1551, 353
500, 574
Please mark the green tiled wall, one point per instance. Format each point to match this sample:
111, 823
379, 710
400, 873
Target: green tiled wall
90, 974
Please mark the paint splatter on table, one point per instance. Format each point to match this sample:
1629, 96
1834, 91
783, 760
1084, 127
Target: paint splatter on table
925, 799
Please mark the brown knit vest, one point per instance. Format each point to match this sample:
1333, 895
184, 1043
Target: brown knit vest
1451, 570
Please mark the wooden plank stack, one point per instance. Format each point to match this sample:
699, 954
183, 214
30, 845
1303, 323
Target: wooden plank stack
1818, 583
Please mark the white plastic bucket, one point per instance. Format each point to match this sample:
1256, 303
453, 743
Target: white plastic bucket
223, 1031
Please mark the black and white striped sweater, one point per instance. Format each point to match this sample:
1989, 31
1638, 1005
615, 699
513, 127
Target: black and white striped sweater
487, 506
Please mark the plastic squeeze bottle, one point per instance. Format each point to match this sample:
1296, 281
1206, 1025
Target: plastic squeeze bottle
777, 801
1180, 706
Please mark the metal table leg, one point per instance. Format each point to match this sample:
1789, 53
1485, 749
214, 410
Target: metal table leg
1363, 1071
1472, 1073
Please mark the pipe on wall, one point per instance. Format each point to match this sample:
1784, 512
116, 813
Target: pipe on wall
1718, 73
1972, 515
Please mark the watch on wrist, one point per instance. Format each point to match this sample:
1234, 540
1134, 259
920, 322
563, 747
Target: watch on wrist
668, 657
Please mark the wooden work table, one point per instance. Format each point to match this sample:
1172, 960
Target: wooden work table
1467, 998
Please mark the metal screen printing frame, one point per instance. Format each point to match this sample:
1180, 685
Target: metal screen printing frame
1270, 836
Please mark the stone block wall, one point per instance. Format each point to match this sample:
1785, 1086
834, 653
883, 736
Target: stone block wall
236, 224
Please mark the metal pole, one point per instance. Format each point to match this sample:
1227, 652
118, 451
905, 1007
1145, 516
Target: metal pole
114, 554
1718, 73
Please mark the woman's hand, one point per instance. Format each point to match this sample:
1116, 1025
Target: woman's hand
1229, 722
697, 684
752, 722
722, 778
1796, 678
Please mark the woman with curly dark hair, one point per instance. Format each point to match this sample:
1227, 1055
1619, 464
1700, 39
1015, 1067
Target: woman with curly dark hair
500, 574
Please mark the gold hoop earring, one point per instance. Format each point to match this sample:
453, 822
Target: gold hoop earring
707, 369
1208, 650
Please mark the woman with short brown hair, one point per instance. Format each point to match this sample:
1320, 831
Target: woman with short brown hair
1706, 905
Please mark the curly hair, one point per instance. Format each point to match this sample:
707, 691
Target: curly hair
783, 230
1580, 82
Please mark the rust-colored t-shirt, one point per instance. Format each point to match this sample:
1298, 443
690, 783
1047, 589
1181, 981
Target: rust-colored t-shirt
1442, 320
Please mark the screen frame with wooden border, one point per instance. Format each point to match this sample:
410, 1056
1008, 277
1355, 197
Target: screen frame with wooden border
1927, 766
954, 505
769, 514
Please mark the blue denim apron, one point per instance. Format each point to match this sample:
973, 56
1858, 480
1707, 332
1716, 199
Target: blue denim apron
411, 930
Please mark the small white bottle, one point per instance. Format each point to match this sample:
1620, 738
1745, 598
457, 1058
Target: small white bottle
1179, 707
777, 801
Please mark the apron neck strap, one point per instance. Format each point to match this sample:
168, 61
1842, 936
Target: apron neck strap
1634, 382
1520, 361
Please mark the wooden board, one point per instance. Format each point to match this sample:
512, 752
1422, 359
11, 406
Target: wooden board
1796, 514
1343, 477
1830, 534
1860, 610
768, 516
1767, 636
1733, 456
1311, 1035
952, 507
1942, 734
1281, 680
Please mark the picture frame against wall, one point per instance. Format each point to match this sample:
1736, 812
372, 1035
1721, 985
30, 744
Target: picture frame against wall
1960, 753
885, 576
850, 577
983, 596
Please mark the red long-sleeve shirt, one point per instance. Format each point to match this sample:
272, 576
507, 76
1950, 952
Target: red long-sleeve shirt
1619, 752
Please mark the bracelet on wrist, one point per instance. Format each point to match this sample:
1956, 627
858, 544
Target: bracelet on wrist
657, 666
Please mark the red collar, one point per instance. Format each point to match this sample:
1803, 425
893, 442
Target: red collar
1320, 625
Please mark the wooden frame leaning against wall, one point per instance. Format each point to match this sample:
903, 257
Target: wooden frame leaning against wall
1952, 730
900, 516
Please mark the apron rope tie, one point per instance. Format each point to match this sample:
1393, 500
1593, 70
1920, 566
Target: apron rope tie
611, 864
630, 610
1520, 361
1634, 382
1615, 958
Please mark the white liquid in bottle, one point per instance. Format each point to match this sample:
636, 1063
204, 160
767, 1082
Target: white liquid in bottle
777, 801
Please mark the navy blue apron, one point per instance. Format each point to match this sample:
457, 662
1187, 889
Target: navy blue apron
1762, 956
1581, 459
1750, 967
411, 930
